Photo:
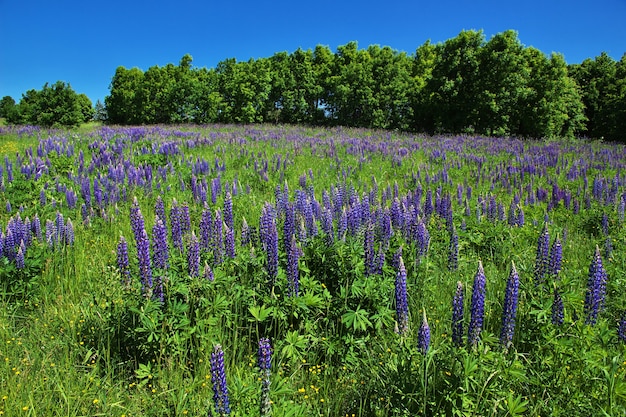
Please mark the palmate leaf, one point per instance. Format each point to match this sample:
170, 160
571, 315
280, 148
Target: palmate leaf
357, 319
260, 313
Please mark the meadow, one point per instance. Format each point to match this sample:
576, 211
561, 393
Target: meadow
294, 271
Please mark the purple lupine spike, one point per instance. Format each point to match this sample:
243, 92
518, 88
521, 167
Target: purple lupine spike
218, 376
327, 226
206, 230
423, 336
228, 211
402, 304
621, 327
605, 224
35, 227
229, 241
159, 210
509, 309
245, 232
8, 206
51, 234
271, 248
395, 262
457, 315
453, 251
145, 268
42, 198
556, 257
19, 257
542, 260
136, 221
122, 261
342, 225
208, 272
557, 308
289, 225
193, 256
160, 251
60, 227
265, 364
185, 219
596, 289
293, 255
477, 306
68, 233
218, 238
177, 230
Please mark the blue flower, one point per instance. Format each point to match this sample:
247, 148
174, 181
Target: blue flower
477, 306
218, 376
509, 310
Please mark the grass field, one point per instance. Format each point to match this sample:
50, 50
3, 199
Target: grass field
143, 268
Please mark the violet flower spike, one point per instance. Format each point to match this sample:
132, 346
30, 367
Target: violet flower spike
509, 310
477, 306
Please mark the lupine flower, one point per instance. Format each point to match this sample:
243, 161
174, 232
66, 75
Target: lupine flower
596, 289
423, 336
208, 272
293, 255
193, 256
19, 257
557, 308
218, 376
177, 231
621, 328
228, 211
453, 251
457, 315
556, 257
509, 309
122, 260
543, 256
206, 230
265, 362
145, 269
185, 219
229, 242
159, 245
289, 225
477, 306
218, 238
136, 221
402, 305
370, 255
159, 210
68, 233
245, 232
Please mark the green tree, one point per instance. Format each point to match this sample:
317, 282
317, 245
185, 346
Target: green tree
244, 89
503, 83
351, 100
100, 112
419, 97
392, 84
7, 106
56, 105
86, 107
124, 103
453, 88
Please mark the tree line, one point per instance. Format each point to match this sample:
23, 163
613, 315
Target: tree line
463, 85
53, 105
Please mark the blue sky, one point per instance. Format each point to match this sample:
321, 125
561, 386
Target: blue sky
84, 42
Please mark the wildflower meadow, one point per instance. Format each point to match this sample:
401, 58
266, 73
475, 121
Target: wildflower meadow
266, 270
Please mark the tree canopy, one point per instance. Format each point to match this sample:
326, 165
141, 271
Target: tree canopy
466, 84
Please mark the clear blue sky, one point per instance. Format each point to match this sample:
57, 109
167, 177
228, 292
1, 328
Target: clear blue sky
83, 42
